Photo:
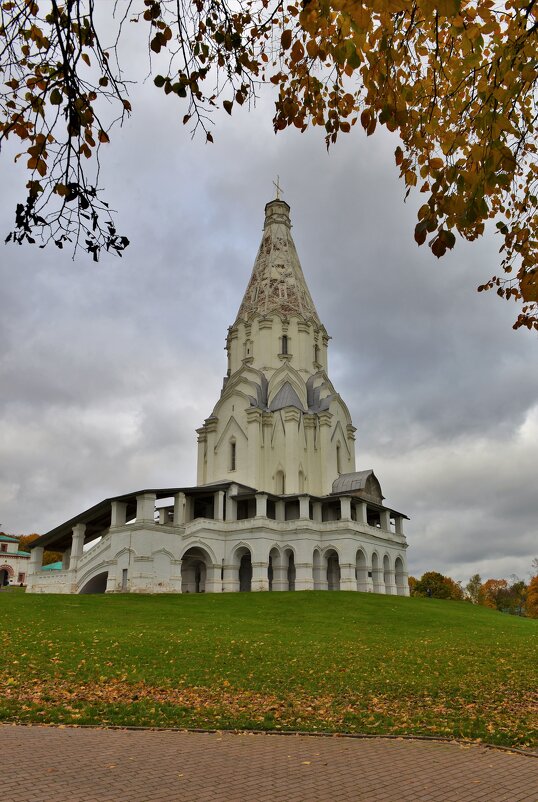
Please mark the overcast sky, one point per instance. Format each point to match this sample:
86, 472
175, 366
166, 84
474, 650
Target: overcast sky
106, 370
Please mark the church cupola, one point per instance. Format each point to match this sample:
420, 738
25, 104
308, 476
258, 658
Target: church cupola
277, 321
277, 284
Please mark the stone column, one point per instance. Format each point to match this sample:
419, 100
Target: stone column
231, 503
230, 581
312, 462
179, 509
390, 582
320, 574
36, 559
362, 512
145, 508
280, 510
213, 581
118, 514
66, 559
291, 417
280, 575
260, 580
345, 508
304, 578
202, 452
218, 506
304, 507
347, 576
384, 520
77, 544
399, 524
325, 419
254, 427
261, 505
316, 512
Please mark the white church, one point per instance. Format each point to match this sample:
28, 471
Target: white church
278, 504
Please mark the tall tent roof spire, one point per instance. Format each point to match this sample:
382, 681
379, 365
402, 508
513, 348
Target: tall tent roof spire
277, 283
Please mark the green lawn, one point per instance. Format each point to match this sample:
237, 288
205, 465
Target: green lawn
310, 661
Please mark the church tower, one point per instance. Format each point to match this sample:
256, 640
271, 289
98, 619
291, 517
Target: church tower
278, 503
279, 426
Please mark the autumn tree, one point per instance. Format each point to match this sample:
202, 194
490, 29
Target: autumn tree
491, 589
434, 584
473, 589
455, 80
531, 602
506, 597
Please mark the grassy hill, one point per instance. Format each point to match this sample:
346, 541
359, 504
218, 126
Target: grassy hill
310, 661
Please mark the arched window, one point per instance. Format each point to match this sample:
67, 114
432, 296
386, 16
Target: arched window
233, 455
284, 349
316, 353
338, 460
280, 483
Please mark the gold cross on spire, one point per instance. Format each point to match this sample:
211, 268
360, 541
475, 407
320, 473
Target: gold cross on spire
279, 189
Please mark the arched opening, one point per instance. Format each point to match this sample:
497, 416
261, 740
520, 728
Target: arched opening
338, 460
362, 571
399, 576
233, 455
320, 583
333, 570
270, 572
290, 574
96, 584
5, 572
386, 574
194, 565
243, 560
284, 348
301, 481
280, 483
377, 574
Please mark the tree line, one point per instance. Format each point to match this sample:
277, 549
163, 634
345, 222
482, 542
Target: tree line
513, 596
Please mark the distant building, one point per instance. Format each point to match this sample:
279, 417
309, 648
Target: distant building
279, 504
13, 563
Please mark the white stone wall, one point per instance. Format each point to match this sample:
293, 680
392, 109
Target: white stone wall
148, 558
310, 450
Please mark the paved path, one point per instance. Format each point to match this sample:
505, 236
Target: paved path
42, 764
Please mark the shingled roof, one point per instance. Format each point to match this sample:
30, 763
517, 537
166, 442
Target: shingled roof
277, 283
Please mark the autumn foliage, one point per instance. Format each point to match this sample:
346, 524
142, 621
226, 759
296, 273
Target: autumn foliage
454, 79
513, 597
437, 586
531, 602
48, 556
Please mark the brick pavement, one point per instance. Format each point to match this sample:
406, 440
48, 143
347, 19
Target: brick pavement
47, 764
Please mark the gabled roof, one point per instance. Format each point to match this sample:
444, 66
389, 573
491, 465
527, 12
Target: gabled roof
286, 397
277, 284
8, 538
